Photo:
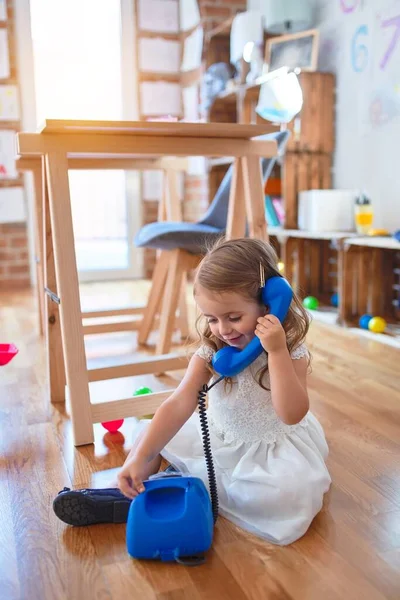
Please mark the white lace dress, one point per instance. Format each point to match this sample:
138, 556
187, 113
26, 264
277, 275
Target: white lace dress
271, 477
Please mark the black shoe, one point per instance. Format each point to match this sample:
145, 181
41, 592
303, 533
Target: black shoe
89, 507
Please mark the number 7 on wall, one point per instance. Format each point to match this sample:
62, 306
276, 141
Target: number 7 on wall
393, 42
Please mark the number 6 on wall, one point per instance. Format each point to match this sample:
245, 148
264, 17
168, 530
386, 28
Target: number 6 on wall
359, 51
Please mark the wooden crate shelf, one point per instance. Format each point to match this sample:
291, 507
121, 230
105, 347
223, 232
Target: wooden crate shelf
370, 281
303, 171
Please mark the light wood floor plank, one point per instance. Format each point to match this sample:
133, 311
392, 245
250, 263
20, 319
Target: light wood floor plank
351, 550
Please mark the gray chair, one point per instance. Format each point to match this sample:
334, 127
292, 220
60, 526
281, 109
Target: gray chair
195, 237
182, 245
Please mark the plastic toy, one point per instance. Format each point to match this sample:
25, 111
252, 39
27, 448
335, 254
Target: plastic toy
310, 302
364, 321
378, 232
335, 300
113, 426
173, 518
396, 235
7, 353
141, 392
377, 325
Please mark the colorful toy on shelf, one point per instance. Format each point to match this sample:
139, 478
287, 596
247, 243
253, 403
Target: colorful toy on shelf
113, 426
378, 233
310, 302
142, 391
335, 300
396, 235
7, 353
377, 325
364, 321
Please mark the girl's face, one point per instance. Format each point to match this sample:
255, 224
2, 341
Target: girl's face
232, 318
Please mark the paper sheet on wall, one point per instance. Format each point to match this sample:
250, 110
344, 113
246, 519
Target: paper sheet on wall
3, 10
12, 205
4, 56
159, 16
192, 50
160, 98
189, 15
190, 97
9, 104
153, 182
159, 56
7, 155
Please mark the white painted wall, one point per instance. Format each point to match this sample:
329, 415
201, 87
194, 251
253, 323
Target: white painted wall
360, 42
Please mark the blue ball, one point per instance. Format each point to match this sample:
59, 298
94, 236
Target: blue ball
335, 300
364, 321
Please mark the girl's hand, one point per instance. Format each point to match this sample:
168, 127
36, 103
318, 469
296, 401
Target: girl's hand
271, 334
130, 478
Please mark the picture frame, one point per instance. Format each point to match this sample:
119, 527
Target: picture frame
295, 51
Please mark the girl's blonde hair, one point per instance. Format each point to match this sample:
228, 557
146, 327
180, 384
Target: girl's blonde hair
234, 266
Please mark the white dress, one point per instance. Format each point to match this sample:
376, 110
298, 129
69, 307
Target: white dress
271, 477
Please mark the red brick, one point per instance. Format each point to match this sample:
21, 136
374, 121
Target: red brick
22, 255
19, 242
215, 11
11, 228
18, 269
14, 283
7, 255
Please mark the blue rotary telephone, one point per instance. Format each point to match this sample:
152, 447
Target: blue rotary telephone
173, 518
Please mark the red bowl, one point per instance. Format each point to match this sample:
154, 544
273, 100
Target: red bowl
7, 353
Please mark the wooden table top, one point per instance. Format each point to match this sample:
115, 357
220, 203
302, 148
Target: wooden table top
156, 128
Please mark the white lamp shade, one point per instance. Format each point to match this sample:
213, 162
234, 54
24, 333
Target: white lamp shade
280, 98
246, 27
286, 16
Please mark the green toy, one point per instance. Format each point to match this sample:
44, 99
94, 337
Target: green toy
142, 391
310, 302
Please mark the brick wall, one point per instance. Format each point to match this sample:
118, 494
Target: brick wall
14, 258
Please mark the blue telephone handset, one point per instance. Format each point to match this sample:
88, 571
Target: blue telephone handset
277, 295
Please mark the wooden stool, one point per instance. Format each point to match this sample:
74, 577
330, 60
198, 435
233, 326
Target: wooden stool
59, 141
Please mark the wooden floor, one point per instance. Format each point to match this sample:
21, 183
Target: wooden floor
352, 550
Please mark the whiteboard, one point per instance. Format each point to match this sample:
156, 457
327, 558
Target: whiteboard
360, 42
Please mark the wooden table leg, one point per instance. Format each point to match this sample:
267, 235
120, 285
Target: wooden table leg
183, 322
254, 197
54, 349
236, 220
179, 263
155, 296
39, 246
68, 291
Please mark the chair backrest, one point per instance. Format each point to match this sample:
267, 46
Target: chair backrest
217, 213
